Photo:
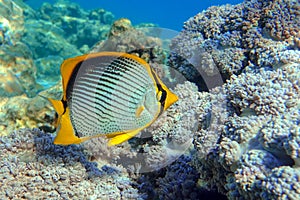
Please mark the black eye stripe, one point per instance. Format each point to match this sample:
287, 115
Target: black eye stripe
163, 97
65, 105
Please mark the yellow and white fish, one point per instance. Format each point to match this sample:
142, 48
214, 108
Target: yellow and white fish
108, 94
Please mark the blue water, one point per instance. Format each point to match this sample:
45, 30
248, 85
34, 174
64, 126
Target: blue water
166, 13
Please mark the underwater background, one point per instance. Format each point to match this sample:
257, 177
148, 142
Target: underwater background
167, 14
233, 134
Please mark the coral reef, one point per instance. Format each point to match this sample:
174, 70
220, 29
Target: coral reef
17, 74
159, 158
123, 37
226, 39
73, 24
45, 66
46, 43
21, 111
17, 71
32, 167
255, 48
59, 31
11, 22
238, 139
259, 140
176, 181
278, 90
92, 169
273, 187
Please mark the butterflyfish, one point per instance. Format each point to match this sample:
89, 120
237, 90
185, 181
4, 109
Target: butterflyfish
109, 94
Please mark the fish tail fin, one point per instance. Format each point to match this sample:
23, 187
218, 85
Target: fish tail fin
58, 106
118, 139
65, 132
171, 99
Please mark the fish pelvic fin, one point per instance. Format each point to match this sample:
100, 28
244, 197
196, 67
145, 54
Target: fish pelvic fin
139, 111
65, 132
118, 139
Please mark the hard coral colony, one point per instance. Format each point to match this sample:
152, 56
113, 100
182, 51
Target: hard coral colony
245, 132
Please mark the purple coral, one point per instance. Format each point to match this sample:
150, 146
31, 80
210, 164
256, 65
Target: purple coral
176, 181
255, 48
267, 92
236, 36
33, 167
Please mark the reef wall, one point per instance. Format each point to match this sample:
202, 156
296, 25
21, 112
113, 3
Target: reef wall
255, 47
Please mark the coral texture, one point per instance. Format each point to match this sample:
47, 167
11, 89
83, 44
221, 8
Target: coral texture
176, 181
17, 71
255, 48
239, 138
32, 168
259, 140
60, 31
226, 39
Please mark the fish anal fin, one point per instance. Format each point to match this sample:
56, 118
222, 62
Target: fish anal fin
65, 134
118, 139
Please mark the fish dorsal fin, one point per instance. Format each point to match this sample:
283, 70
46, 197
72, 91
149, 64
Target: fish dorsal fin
66, 70
68, 66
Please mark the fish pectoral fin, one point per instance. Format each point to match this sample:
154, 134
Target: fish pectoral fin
118, 139
139, 111
65, 134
